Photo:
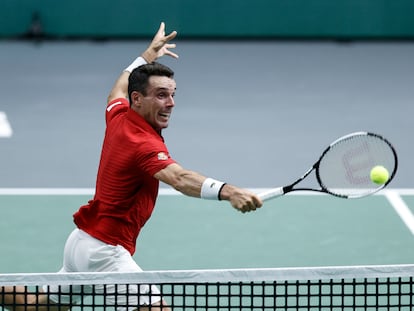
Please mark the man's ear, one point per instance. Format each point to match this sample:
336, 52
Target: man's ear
136, 98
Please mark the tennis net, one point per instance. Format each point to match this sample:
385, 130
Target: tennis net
386, 287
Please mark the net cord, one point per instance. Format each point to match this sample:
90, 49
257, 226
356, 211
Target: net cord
212, 275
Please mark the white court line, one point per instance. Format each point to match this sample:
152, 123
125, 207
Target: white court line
162, 191
5, 128
393, 196
47, 191
401, 208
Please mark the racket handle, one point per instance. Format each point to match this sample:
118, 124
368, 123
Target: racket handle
272, 193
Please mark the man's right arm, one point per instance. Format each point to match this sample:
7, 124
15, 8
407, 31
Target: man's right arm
194, 184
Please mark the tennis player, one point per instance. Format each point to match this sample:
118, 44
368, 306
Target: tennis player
134, 159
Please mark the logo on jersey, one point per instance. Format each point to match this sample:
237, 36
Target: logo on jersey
162, 156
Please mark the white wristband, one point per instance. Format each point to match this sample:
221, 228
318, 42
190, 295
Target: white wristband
210, 189
135, 64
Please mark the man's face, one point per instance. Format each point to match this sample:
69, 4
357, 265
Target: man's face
157, 105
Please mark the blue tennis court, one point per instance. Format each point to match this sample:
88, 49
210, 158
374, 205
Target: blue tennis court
187, 233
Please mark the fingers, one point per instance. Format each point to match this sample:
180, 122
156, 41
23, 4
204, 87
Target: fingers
161, 30
249, 205
160, 45
247, 209
171, 36
161, 33
169, 53
167, 48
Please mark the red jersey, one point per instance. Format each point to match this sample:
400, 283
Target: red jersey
126, 190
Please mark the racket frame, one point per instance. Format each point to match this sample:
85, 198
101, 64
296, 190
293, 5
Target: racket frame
276, 192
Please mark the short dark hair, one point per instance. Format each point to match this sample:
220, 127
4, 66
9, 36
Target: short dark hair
138, 79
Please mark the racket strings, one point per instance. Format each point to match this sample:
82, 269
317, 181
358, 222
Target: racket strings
344, 169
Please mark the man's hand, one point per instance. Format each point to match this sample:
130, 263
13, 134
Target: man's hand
160, 45
241, 199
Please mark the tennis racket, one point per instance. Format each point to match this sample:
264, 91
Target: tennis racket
344, 168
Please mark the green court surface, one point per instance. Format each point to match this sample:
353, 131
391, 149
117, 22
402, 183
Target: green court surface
188, 233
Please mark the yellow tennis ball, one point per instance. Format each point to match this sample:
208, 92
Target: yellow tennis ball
379, 175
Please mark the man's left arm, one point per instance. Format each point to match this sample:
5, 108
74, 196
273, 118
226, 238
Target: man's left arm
158, 47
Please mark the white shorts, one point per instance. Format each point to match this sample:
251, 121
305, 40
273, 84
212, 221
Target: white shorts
83, 253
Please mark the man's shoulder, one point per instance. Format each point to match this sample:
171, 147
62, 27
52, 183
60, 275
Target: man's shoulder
116, 104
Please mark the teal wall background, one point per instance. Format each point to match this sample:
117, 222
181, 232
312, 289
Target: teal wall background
212, 18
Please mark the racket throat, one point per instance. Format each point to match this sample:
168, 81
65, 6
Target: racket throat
287, 189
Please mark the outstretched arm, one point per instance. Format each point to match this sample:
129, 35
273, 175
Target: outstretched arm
196, 185
158, 47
